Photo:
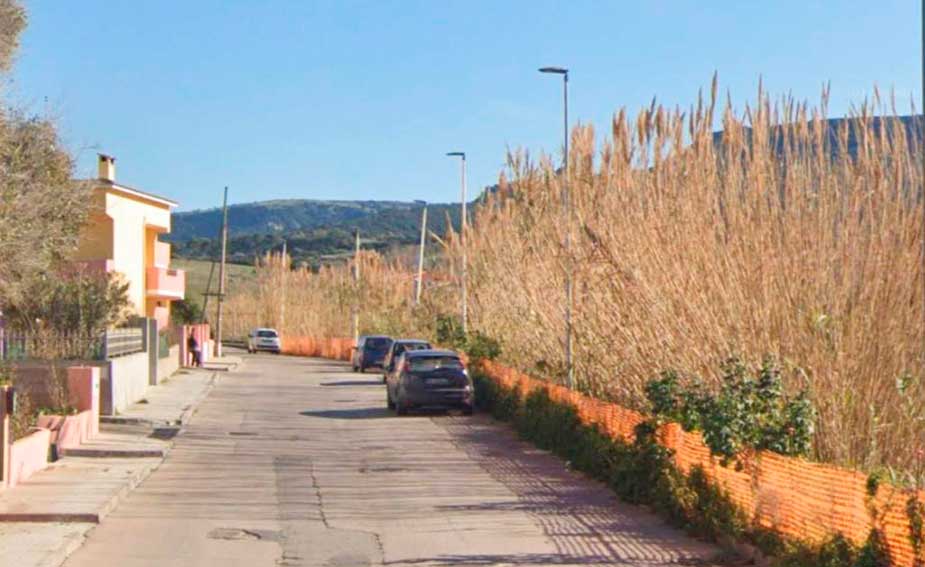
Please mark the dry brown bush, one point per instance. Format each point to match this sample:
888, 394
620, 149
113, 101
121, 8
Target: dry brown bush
776, 241
299, 302
687, 251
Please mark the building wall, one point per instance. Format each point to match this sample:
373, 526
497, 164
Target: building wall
96, 236
124, 382
135, 226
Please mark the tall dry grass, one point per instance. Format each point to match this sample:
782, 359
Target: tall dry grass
779, 240
299, 302
687, 251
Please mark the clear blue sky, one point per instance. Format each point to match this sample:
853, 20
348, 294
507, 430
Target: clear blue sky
360, 100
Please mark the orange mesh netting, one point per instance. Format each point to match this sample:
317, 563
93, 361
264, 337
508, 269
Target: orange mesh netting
797, 498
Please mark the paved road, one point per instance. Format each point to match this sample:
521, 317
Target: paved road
297, 462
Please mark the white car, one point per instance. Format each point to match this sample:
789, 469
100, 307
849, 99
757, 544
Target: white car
263, 339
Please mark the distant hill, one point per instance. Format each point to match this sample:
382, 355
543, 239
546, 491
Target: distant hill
316, 231
313, 230
911, 124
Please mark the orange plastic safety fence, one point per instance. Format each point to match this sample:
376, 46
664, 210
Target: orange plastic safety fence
337, 348
797, 498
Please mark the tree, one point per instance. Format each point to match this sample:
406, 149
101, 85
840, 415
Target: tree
42, 207
72, 302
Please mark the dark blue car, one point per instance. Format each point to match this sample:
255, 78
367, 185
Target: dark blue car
371, 351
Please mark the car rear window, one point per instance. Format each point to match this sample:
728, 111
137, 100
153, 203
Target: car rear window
267, 334
377, 343
403, 347
428, 363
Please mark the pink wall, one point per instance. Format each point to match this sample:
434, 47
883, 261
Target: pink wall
84, 388
69, 431
29, 455
161, 254
166, 283
162, 316
201, 332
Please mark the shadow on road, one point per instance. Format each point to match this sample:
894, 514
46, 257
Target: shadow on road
356, 413
354, 383
581, 518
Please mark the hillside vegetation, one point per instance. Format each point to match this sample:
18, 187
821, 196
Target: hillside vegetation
314, 231
778, 241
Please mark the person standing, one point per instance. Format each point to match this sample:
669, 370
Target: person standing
194, 348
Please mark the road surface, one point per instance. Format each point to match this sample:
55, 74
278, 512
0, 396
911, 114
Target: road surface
294, 461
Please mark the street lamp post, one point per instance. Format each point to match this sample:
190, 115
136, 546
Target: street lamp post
462, 240
420, 280
567, 213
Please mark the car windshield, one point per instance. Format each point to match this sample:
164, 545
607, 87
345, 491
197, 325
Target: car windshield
403, 347
428, 363
267, 334
377, 343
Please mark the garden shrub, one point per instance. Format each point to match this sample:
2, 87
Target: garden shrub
748, 411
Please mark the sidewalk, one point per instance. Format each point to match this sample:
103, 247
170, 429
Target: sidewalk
46, 518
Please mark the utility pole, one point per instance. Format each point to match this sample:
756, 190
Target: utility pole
922, 150
282, 304
567, 213
462, 241
420, 280
221, 276
356, 286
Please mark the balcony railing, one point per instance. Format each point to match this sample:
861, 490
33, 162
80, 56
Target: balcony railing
164, 283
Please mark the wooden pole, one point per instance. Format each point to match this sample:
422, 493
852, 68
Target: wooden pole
221, 276
282, 304
420, 282
356, 284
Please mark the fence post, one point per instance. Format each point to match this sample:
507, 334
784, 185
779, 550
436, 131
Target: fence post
6, 440
152, 344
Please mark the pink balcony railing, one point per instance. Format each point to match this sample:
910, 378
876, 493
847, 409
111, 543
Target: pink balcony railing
164, 283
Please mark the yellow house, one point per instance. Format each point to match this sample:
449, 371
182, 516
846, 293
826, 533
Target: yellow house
121, 236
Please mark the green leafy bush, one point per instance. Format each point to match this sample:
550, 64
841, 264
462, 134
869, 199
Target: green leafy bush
477, 345
642, 472
748, 412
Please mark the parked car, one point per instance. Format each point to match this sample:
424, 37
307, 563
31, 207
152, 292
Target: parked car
399, 346
370, 351
263, 339
429, 378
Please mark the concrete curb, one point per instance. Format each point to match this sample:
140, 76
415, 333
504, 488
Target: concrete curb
117, 453
85, 517
194, 405
71, 544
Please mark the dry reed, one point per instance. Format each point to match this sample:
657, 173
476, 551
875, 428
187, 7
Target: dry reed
777, 239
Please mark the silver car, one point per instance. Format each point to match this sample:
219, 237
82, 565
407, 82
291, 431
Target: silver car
265, 339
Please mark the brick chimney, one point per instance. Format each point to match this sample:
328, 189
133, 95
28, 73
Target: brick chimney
107, 167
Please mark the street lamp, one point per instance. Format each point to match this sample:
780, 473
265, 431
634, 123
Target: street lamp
567, 212
420, 282
462, 240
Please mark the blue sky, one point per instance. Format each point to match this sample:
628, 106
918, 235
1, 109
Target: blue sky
360, 100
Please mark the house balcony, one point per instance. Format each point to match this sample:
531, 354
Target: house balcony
164, 283
161, 254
